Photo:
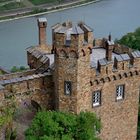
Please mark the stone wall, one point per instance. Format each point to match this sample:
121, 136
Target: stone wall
39, 89
72, 63
16, 75
65, 70
83, 81
119, 118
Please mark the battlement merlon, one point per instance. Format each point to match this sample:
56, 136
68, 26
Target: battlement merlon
73, 36
101, 67
135, 59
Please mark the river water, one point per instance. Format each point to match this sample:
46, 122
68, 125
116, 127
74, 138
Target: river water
115, 16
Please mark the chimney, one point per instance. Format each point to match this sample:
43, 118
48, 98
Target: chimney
42, 24
109, 48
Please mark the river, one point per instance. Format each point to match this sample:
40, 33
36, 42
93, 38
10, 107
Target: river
115, 16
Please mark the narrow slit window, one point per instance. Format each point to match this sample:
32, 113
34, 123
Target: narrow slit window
67, 87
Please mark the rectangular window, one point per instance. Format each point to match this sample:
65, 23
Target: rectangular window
67, 87
96, 98
120, 92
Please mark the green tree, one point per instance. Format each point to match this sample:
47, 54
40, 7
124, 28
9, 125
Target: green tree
18, 69
54, 125
131, 40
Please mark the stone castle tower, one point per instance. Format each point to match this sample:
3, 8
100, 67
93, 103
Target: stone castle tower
74, 74
72, 47
101, 78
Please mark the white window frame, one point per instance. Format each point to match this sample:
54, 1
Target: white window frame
120, 92
96, 98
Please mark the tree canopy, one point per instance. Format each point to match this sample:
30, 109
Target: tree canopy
131, 40
52, 125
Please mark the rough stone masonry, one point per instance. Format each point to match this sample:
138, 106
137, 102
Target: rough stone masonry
80, 73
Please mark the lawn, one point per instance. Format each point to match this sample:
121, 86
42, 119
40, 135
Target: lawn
12, 5
38, 2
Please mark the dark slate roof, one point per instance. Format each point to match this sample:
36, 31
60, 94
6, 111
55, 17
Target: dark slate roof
88, 28
93, 64
74, 30
7, 81
30, 49
30, 77
1, 82
122, 57
63, 29
99, 54
36, 53
125, 57
5, 70
43, 57
41, 75
56, 26
77, 30
20, 79
136, 54
118, 58
36, 76
14, 80
102, 61
24, 78
1, 87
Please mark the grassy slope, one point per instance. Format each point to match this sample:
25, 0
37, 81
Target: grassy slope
37, 2
13, 5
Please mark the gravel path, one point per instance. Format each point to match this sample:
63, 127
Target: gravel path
23, 119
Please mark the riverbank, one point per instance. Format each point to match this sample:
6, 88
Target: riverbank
45, 10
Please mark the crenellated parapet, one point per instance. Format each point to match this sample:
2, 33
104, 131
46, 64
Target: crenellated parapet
121, 66
122, 62
72, 39
115, 77
72, 53
135, 59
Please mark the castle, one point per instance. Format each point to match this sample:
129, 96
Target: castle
80, 73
